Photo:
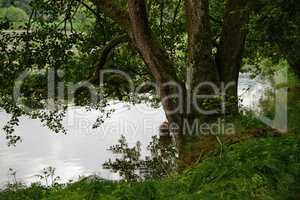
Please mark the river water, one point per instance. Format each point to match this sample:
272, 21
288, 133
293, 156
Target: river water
83, 150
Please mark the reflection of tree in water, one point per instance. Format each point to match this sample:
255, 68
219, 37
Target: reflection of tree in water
267, 103
129, 164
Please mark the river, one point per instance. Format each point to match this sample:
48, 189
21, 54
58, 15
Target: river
83, 150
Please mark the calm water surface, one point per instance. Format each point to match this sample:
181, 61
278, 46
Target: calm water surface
83, 150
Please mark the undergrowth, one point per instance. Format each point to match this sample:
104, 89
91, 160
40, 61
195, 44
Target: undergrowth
260, 168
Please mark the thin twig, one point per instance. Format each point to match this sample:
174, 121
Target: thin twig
176, 11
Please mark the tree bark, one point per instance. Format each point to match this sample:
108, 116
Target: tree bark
200, 60
113, 11
232, 42
202, 65
135, 23
155, 57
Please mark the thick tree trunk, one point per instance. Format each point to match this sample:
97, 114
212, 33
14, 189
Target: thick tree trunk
200, 61
203, 66
135, 23
202, 72
230, 50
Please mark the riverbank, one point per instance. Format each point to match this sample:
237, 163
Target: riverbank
259, 168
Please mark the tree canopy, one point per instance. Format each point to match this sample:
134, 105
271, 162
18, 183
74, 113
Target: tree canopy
180, 41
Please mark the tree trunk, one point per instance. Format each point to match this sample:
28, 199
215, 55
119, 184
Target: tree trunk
202, 73
155, 57
200, 60
202, 66
230, 50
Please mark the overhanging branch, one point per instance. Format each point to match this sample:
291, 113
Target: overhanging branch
106, 53
113, 11
89, 8
154, 55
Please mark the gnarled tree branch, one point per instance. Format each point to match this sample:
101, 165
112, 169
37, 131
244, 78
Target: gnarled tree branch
105, 55
89, 8
113, 11
155, 57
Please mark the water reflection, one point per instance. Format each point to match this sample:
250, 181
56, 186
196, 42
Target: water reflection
83, 150
253, 91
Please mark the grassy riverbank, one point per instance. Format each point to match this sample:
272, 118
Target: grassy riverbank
261, 168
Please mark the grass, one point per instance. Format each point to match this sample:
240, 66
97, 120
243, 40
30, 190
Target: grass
255, 163
261, 168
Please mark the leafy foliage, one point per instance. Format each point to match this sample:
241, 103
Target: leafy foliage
69, 36
274, 30
13, 14
129, 162
258, 169
48, 176
22, 4
131, 167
